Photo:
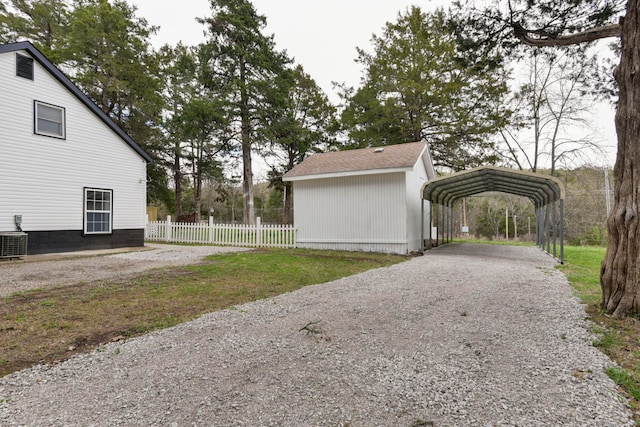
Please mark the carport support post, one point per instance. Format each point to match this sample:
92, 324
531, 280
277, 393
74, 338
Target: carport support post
450, 212
437, 218
421, 225
446, 226
445, 217
538, 226
444, 223
436, 214
438, 227
547, 227
561, 231
555, 230
451, 222
430, 225
541, 227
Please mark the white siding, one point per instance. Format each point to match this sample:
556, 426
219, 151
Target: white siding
414, 182
366, 212
389, 248
42, 178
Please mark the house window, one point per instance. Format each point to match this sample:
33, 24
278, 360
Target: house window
24, 66
98, 211
49, 120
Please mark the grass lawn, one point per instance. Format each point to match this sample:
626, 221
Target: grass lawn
619, 339
495, 242
50, 325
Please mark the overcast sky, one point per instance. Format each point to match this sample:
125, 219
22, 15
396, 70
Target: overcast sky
322, 36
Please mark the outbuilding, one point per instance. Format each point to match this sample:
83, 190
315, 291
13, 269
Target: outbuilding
362, 200
70, 178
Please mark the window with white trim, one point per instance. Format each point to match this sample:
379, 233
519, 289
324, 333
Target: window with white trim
49, 120
98, 211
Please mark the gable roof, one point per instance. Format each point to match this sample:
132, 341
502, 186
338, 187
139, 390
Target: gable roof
385, 159
82, 97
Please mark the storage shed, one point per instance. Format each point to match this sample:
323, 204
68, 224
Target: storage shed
362, 200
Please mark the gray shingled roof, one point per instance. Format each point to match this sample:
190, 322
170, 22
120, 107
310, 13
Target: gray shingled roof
59, 75
401, 156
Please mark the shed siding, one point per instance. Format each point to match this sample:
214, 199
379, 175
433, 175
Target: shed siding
414, 182
42, 178
388, 248
359, 212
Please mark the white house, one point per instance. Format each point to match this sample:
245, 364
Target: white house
362, 200
69, 176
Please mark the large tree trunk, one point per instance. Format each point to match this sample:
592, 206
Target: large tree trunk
198, 184
621, 266
249, 215
177, 180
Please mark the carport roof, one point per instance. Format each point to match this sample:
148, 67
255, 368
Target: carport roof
541, 189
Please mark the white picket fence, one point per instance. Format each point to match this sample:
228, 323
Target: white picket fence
257, 236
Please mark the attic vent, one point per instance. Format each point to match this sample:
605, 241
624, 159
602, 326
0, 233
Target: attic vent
379, 150
24, 66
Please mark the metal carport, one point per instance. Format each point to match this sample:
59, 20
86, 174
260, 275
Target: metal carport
546, 192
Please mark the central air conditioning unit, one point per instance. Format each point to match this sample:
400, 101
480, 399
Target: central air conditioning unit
13, 244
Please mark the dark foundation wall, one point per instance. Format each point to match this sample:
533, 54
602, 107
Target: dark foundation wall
44, 242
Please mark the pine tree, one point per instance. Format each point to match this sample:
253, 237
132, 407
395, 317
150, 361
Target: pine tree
245, 62
419, 85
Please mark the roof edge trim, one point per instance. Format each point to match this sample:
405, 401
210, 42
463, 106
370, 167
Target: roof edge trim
346, 174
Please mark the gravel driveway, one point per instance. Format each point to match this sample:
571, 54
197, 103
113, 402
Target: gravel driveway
465, 335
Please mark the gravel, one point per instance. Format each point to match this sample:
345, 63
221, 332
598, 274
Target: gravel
42, 271
465, 335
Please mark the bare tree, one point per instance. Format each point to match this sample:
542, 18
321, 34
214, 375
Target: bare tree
488, 215
553, 111
585, 210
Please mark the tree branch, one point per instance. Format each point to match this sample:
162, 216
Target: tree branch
525, 36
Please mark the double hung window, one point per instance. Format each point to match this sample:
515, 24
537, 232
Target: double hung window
49, 120
98, 211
